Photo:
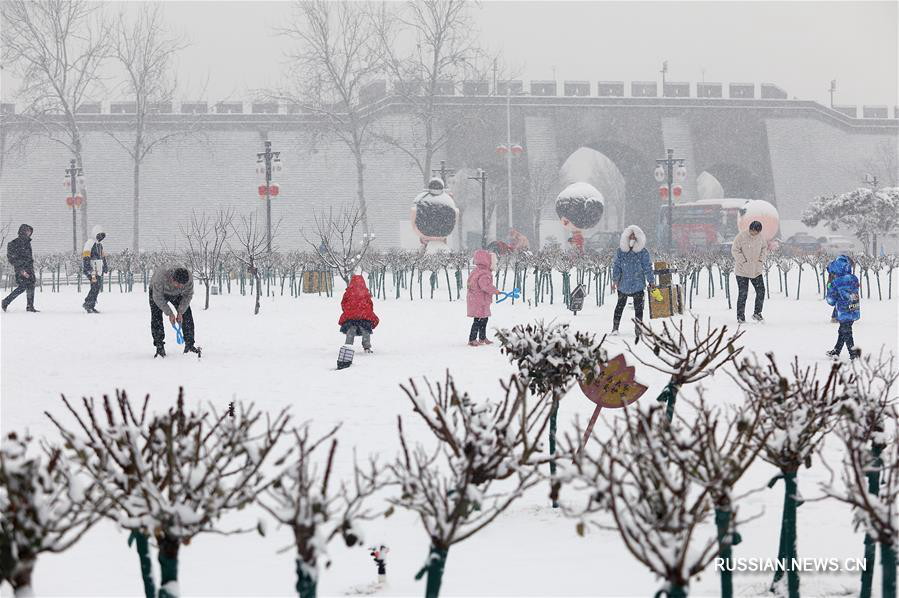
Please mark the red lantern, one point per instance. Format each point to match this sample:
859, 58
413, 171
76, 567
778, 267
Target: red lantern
663, 192
79, 199
677, 190
261, 190
502, 150
517, 150
70, 201
274, 189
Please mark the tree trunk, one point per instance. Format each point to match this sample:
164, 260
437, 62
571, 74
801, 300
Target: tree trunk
146, 566
669, 397
553, 416
258, 291
434, 568
168, 566
360, 188
672, 590
873, 475
21, 580
788, 533
207, 294
726, 541
888, 568
307, 585
135, 235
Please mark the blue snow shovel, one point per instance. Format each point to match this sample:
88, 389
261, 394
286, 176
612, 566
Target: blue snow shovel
515, 294
179, 336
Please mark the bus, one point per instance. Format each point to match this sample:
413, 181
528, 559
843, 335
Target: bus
705, 224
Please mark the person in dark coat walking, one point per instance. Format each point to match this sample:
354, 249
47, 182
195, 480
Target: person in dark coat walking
631, 273
18, 252
93, 259
172, 284
358, 316
843, 294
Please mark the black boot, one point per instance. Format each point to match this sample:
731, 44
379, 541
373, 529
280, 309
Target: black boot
160, 351
32, 310
190, 348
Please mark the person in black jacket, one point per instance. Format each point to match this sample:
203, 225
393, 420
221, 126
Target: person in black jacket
18, 252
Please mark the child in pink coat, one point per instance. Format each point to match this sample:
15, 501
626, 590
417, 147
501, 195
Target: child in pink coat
480, 295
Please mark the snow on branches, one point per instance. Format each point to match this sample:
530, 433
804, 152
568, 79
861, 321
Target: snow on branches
482, 464
655, 501
303, 498
551, 357
686, 357
868, 212
175, 474
45, 507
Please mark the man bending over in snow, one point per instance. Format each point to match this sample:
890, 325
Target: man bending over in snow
172, 284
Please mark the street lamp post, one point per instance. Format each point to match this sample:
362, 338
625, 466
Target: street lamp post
443, 170
509, 150
266, 162
832, 89
74, 179
671, 172
482, 178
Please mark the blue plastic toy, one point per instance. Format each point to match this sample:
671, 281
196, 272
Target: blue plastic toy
515, 294
179, 336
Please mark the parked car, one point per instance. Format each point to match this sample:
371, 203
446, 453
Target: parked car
836, 244
800, 244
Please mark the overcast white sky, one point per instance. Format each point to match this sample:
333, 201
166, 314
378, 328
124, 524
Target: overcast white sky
799, 46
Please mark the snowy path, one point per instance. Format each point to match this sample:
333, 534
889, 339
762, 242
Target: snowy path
286, 356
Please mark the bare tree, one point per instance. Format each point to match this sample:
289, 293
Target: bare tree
336, 240
207, 238
543, 179
686, 357
44, 507
251, 248
657, 505
146, 52
442, 42
57, 48
718, 446
316, 510
172, 475
799, 409
337, 55
485, 460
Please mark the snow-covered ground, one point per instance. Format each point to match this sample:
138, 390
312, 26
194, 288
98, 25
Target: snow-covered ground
287, 355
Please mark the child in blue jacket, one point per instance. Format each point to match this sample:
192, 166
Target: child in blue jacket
843, 294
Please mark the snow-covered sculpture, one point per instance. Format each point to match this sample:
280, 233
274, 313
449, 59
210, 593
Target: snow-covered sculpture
434, 216
579, 207
764, 212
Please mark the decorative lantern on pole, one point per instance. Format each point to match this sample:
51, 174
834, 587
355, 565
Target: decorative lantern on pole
668, 171
74, 185
268, 163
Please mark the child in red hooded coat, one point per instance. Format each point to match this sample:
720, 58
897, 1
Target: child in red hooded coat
358, 317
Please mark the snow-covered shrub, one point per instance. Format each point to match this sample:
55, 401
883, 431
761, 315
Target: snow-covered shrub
798, 411
655, 502
305, 498
172, 475
483, 462
686, 357
45, 507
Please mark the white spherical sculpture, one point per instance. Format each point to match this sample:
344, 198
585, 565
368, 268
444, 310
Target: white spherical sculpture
764, 212
434, 215
579, 206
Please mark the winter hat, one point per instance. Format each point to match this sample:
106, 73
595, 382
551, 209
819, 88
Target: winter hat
181, 276
756, 226
24, 228
436, 186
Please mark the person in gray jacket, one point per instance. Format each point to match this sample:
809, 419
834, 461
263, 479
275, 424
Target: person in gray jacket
172, 284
